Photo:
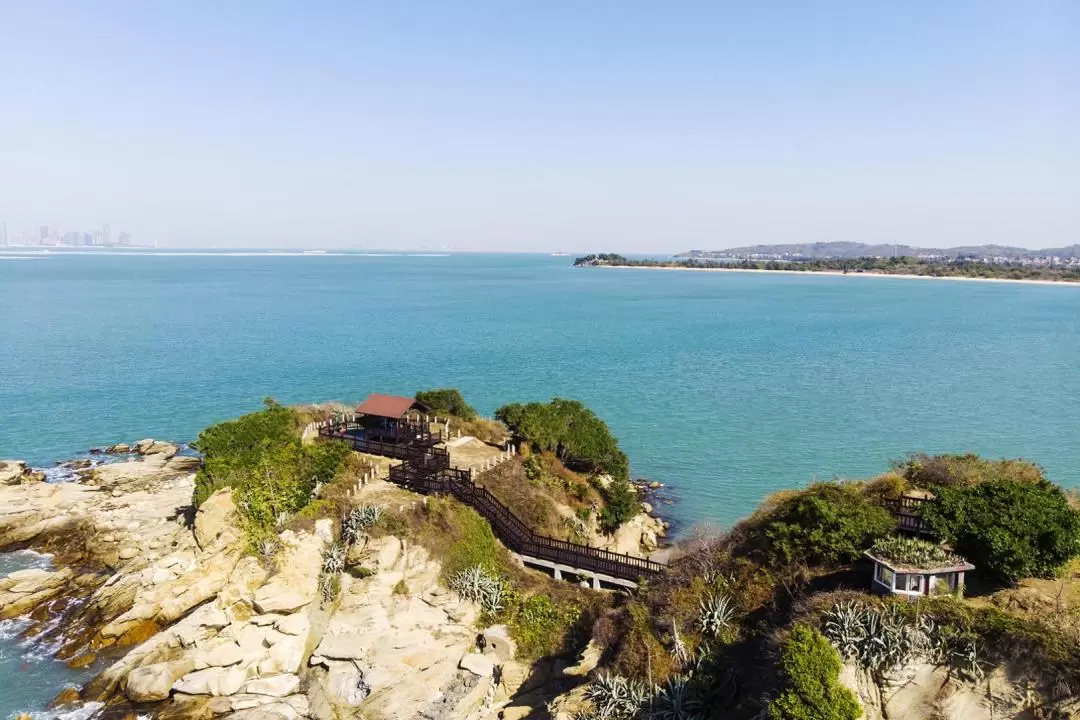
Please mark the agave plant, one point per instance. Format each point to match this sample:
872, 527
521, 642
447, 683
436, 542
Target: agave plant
616, 697
333, 560
358, 520
676, 700
478, 585
845, 627
268, 548
679, 652
965, 657
716, 614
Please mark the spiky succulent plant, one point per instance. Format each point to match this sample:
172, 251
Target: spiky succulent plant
334, 560
676, 700
616, 697
478, 585
359, 519
716, 613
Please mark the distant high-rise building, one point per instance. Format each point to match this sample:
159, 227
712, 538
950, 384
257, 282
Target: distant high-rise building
105, 238
44, 238
71, 238
3, 234
124, 239
88, 239
97, 238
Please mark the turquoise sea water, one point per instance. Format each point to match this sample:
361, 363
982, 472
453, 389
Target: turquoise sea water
724, 386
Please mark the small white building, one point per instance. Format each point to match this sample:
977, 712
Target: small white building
913, 568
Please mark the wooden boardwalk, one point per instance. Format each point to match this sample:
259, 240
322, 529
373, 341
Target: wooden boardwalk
426, 469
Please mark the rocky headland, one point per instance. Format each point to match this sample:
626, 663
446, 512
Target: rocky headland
182, 620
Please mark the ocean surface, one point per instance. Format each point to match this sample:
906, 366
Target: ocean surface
723, 386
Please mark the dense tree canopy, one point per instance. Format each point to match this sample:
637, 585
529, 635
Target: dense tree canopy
826, 524
583, 442
446, 401
572, 431
1008, 529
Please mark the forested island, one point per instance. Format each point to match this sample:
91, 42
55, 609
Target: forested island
899, 266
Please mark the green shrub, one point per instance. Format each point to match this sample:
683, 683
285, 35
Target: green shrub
620, 504
811, 669
574, 433
542, 627
261, 457
1008, 529
827, 524
446, 401
923, 470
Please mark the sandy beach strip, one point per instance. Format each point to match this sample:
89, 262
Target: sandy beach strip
839, 273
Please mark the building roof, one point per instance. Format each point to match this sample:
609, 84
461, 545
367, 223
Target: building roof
963, 566
388, 406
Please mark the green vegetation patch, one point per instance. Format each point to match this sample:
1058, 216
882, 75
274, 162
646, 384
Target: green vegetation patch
911, 552
261, 457
811, 670
582, 442
1008, 529
827, 524
926, 471
541, 626
447, 401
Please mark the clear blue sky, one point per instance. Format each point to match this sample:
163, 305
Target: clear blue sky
623, 125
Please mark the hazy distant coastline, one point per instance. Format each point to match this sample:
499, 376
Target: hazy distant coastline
1049, 272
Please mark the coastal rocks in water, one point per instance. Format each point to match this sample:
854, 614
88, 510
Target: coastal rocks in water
23, 590
152, 683
118, 449
150, 446
15, 472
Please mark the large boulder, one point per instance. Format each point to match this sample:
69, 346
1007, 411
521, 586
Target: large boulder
274, 686
497, 640
297, 581
149, 446
212, 681
15, 472
152, 683
217, 515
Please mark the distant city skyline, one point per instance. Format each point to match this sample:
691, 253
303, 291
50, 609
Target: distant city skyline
55, 236
629, 127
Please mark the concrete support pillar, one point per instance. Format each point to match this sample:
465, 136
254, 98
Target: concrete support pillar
595, 582
558, 574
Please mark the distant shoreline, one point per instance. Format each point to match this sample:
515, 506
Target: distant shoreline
838, 273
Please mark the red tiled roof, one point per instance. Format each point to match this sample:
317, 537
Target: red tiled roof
387, 406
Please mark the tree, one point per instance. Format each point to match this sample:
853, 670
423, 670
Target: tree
811, 669
827, 524
1008, 529
579, 438
446, 401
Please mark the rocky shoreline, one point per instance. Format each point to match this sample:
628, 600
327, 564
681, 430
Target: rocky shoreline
182, 622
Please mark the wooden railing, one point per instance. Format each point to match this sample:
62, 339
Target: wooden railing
906, 509
427, 471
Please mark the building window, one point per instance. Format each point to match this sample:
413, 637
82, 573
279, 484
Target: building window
885, 576
910, 583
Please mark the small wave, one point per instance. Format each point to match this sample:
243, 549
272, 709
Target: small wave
11, 628
85, 712
24, 560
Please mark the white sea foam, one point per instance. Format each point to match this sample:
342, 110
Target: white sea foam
23, 560
84, 712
